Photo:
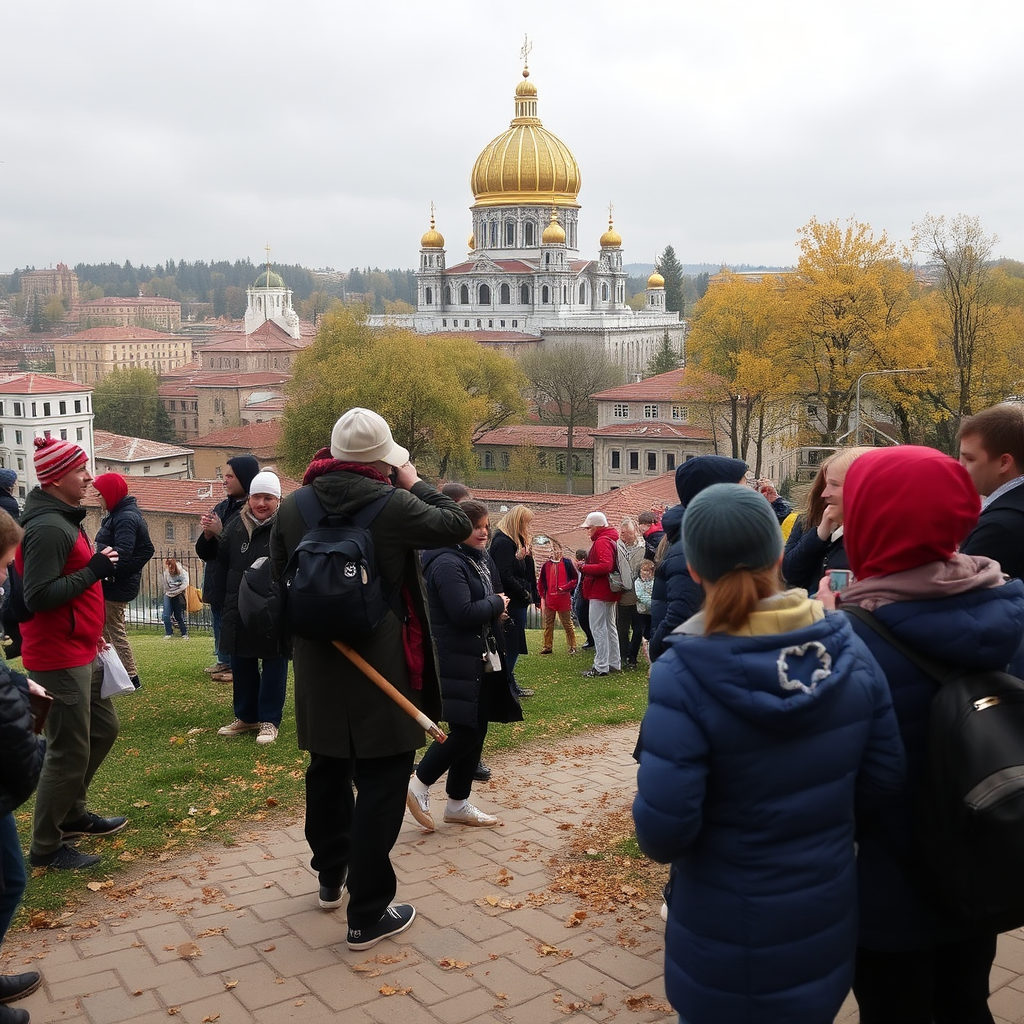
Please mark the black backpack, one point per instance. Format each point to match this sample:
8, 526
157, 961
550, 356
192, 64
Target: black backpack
332, 589
261, 600
970, 825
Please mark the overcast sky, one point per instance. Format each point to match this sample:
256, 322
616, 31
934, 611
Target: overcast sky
205, 129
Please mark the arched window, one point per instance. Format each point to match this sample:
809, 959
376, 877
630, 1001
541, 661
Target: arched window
547, 259
528, 233
510, 234
545, 294
505, 295
464, 295
583, 293
447, 294
524, 294
494, 234
604, 291
485, 295
430, 296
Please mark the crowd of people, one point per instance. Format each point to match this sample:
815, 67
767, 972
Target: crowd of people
784, 743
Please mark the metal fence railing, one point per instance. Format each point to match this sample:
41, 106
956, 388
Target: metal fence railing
146, 611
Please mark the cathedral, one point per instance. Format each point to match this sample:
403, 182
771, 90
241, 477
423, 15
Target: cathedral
523, 281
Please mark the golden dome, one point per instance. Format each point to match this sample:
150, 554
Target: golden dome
472, 242
526, 164
554, 233
655, 280
433, 239
611, 239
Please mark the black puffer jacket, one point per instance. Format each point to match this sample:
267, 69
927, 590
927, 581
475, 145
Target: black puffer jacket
460, 607
807, 557
124, 529
214, 583
21, 751
518, 575
240, 545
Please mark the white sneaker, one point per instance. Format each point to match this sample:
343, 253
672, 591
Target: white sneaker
168, 636
237, 727
267, 733
470, 815
419, 807
185, 636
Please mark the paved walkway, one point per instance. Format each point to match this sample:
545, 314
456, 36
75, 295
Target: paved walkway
233, 934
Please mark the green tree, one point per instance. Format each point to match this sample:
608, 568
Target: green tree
564, 378
665, 359
672, 270
127, 402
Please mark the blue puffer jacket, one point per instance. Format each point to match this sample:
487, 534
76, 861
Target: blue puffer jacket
754, 750
675, 595
981, 629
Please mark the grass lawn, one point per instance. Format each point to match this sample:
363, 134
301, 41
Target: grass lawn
180, 784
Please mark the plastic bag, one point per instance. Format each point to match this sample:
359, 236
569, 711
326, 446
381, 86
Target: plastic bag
115, 676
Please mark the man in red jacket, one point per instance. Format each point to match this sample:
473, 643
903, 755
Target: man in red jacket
600, 563
62, 590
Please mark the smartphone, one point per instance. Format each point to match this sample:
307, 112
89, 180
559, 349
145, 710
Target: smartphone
40, 704
839, 579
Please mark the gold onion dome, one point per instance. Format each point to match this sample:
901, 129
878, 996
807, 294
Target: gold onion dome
554, 233
433, 239
526, 163
611, 239
655, 280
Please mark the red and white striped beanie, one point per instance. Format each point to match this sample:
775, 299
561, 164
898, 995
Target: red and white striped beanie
54, 459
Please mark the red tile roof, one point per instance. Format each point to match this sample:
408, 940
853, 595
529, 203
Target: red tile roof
223, 379
663, 387
120, 334
187, 497
541, 436
117, 447
268, 337
37, 384
532, 498
653, 429
254, 437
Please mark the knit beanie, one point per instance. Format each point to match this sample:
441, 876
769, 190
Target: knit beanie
7, 479
245, 467
904, 507
113, 487
54, 459
703, 471
265, 482
728, 526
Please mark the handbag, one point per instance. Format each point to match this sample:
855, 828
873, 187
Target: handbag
193, 600
115, 675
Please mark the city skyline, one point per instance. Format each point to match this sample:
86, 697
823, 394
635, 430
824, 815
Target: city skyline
328, 133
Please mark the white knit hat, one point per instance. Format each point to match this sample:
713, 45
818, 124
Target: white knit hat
364, 436
265, 482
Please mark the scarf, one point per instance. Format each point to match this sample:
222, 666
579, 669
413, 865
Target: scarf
324, 462
928, 582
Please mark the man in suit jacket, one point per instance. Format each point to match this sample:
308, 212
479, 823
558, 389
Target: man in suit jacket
992, 452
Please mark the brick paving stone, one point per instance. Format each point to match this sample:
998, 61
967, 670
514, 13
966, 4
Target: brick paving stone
104, 942
297, 881
340, 989
229, 1009
245, 928
318, 928
66, 988
112, 1005
399, 1009
220, 955
624, 966
258, 987
1008, 1002
471, 1006
291, 956
309, 1011
178, 981
169, 934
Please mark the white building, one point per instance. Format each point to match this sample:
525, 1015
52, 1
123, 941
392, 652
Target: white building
523, 280
138, 456
36, 405
270, 299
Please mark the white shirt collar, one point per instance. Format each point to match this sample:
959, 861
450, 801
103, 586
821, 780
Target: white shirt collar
1001, 490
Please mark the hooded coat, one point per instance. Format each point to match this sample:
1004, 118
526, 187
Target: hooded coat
602, 559
675, 596
123, 529
754, 750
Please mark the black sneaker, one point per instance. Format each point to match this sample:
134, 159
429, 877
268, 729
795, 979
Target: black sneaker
17, 986
482, 773
330, 896
92, 825
65, 858
396, 919
522, 691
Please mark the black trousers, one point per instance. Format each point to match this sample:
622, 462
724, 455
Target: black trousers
458, 756
357, 830
631, 632
945, 984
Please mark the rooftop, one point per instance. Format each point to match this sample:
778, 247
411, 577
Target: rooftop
254, 437
540, 435
38, 384
119, 448
184, 497
662, 387
119, 334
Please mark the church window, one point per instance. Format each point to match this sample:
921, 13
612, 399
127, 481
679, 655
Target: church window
528, 233
448, 294
485, 295
464, 296
577, 465
494, 234
652, 462
502, 322
670, 461
604, 292
505, 295
479, 324
634, 462
515, 323
564, 297
545, 294
465, 323
524, 294
679, 412
547, 259
650, 412
616, 458
583, 293
444, 323
510, 233
621, 411
237, 364
430, 296
490, 323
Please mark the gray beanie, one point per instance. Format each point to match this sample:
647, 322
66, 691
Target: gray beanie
727, 526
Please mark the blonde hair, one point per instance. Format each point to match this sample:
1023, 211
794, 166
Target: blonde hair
515, 523
842, 460
731, 599
632, 523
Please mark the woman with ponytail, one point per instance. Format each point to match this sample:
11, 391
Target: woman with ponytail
767, 720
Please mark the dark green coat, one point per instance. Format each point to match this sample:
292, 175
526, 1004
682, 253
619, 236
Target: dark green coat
338, 711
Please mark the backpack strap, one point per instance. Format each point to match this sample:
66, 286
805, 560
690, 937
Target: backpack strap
928, 667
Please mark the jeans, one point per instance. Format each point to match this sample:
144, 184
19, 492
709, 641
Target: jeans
581, 609
259, 696
174, 607
116, 635
606, 641
12, 872
223, 658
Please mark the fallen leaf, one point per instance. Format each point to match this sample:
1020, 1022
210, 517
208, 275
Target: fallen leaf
447, 964
230, 984
271, 802
211, 1018
300, 1002
189, 951
279, 981
137, 992
142, 803
391, 990
211, 931
269, 949
96, 886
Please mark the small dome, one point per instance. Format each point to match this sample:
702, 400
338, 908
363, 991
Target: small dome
611, 239
554, 233
655, 280
472, 242
268, 279
433, 239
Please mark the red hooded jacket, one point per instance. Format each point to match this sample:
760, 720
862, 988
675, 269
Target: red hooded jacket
601, 561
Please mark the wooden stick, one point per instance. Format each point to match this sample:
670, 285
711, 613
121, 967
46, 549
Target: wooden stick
432, 730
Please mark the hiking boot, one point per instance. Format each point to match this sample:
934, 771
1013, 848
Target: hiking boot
395, 919
419, 808
92, 825
222, 677
470, 815
237, 727
330, 896
593, 674
482, 773
64, 858
267, 733
17, 986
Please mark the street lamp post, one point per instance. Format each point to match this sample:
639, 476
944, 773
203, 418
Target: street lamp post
874, 373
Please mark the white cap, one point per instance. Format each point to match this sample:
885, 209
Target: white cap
595, 519
362, 435
265, 482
